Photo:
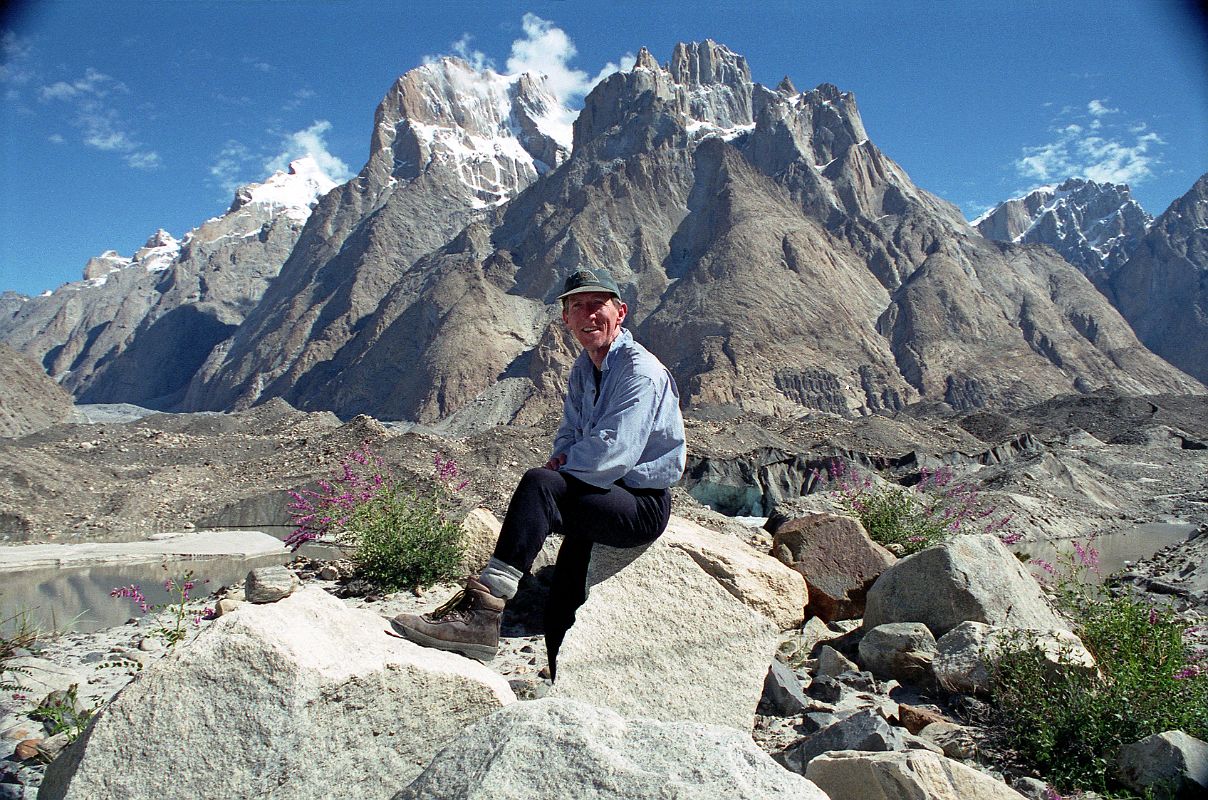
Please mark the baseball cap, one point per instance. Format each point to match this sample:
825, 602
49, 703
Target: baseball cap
589, 280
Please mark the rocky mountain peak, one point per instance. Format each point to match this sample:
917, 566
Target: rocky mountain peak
1094, 226
159, 251
786, 86
705, 90
99, 267
699, 64
294, 192
646, 60
494, 132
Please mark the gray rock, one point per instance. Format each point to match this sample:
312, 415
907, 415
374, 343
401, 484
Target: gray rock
646, 641
913, 775
291, 677
1032, 788
563, 748
832, 663
967, 651
864, 730
826, 689
782, 691
270, 584
900, 650
967, 578
955, 740
1170, 764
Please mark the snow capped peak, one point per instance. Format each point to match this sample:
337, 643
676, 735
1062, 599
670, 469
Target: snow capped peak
159, 252
1092, 225
496, 132
295, 192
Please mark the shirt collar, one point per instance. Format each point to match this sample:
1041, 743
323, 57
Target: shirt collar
624, 338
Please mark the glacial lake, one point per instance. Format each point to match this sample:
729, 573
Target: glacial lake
77, 598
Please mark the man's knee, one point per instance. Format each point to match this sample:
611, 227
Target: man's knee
540, 479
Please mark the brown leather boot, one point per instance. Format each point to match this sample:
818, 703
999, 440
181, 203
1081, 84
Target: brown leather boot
468, 623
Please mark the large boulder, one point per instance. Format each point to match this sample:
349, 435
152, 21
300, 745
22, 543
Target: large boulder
837, 559
900, 650
1168, 764
659, 638
755, 579
966, 654
563, 748
967, 578
300, 698
912, 775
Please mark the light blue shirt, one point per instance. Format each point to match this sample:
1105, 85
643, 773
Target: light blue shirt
632, 431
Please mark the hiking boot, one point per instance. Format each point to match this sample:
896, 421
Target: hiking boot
468, 623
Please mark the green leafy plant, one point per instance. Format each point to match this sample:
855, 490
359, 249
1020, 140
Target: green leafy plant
912, 519
170, 617
1070, 724
400, 537
61, 713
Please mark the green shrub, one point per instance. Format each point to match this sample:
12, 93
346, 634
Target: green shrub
913, 519
400, 538
1070, 725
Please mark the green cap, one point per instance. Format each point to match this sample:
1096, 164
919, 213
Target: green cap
589, 280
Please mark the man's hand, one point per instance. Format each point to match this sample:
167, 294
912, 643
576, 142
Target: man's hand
556, 461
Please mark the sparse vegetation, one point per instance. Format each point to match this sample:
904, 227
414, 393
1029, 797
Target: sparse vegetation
1070, 725
400, 537
912, 519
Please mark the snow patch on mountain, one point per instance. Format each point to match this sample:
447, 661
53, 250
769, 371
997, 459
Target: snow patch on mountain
294, 193
1092, 225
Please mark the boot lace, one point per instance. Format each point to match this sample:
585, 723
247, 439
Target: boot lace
453, 607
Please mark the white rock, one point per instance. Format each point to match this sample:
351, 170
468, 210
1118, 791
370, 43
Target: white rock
480, 531
967, 578
658, 638
965, 653
910, 775
270, 584
757, 580
301, 698
558, 748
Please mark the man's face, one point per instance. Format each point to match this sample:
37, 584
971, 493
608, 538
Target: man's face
595, 320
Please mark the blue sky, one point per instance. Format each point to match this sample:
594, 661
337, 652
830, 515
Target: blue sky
119, 118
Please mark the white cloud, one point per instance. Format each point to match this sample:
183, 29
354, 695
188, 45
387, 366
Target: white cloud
229, 167
93, 84
310, 142
102, 127
56, 138
475, 58
1096, 148
546, 50
15, 54
144, 159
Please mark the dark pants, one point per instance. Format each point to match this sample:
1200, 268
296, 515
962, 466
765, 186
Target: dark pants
546, 501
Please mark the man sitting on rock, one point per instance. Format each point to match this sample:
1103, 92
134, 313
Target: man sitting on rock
619, 449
